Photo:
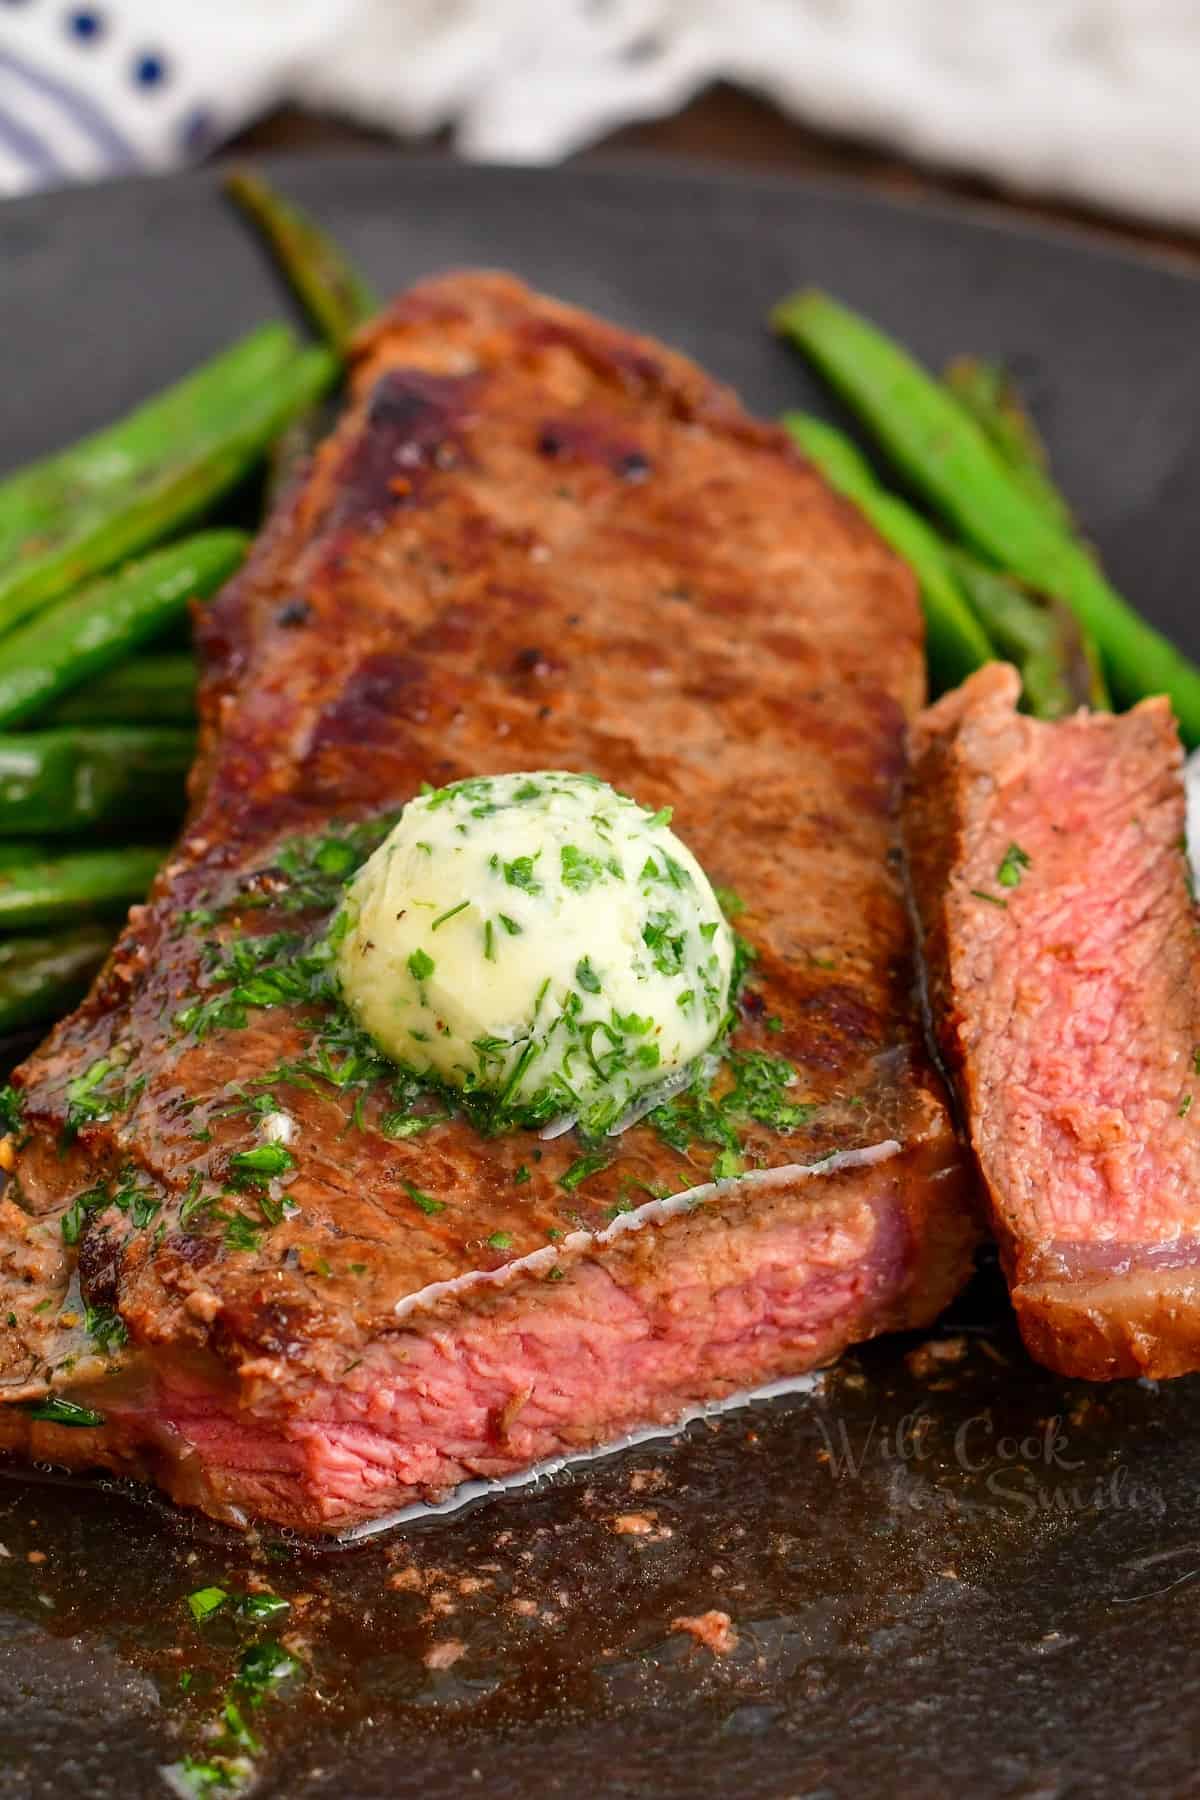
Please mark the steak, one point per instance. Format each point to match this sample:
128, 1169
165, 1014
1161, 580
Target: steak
1049, 867
534, 541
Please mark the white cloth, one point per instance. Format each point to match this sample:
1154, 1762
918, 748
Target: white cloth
1086, 99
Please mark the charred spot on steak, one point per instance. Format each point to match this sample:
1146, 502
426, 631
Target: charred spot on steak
295, 611
101, 1252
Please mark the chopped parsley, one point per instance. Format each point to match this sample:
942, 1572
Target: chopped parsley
80, 1210
241, 1233
263, 1667
206, 1601
81, 1093
519, 874
758, 1093
237, 1732
499, 1240
586, 976
194, 1203
253, 1168
12, 1104
992, 899
665, 942
262, 1606
425, 1201
1012, 866
90, 1102
399, 1125
200, 1777
421, 965
256, 1607
581, 1168
54, 1410
296, 968
580, 870
106, 1329
759, 1088
309, 873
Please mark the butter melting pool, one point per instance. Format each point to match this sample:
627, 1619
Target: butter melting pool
939, 1567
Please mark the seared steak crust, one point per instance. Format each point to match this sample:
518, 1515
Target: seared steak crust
534, 541
1061, 940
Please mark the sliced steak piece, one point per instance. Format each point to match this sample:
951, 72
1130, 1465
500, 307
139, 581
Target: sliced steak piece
534, 541
1049, 867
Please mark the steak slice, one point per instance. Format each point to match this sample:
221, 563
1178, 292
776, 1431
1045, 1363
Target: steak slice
1049, 866
533, 542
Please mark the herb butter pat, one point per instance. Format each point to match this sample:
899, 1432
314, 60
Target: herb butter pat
540, 939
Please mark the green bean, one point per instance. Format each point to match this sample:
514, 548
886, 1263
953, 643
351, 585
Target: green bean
14, 854
103, 623
75, 779
1059, 667
943, 453
1059, 664
335, 295
987, 392
82, 884
81, 512
155, 689
42, 977
955, 642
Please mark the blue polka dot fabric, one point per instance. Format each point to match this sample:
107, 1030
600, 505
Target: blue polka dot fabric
97, 88
85, 25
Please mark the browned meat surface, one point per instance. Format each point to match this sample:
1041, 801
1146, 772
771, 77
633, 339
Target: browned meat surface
1050, 874
534, 541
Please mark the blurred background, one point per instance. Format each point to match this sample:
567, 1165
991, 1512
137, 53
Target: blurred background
1083, 109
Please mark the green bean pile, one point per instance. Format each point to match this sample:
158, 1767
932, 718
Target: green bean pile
1004, 572
101, 555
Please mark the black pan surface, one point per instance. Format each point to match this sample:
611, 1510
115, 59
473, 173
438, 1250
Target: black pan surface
949, 1573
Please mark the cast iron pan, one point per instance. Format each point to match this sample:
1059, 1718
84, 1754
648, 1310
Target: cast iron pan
949, 1573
